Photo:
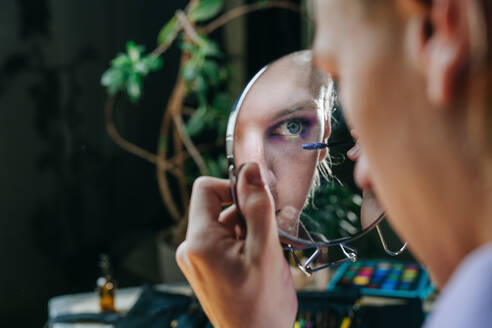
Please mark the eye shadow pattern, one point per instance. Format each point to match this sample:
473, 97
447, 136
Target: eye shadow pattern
306, 122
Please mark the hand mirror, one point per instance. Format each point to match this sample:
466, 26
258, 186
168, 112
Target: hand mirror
282, 121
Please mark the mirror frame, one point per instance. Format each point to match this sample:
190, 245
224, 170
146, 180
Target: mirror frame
295, 243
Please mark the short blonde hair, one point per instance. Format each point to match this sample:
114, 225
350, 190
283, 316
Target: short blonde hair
326, 102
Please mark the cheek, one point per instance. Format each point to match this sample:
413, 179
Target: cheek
358, 90
294, 177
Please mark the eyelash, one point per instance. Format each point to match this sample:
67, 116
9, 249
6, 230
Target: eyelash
304, 122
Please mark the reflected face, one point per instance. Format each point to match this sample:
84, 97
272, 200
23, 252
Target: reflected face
286, 107
282, 111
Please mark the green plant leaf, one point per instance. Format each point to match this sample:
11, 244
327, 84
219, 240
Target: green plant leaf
225, 73
199, 85
141, 68
153, 63
211, 70
122, 60
188, 47
167, 31
107, 77
134, 51
196, 123
209, 48
206, 9
148, 64
221, 127
190, 70
113, 79
222, 103
134, 87
127, 70
214, 168
217, 166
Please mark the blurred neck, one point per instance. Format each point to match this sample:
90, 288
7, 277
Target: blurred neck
467, 224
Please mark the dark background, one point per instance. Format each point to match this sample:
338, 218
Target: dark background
67, 194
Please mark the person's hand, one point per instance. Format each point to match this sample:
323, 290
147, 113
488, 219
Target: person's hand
237, 269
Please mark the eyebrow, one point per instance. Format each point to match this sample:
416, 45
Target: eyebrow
294, 109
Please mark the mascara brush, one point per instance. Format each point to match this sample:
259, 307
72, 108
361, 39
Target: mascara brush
321, 145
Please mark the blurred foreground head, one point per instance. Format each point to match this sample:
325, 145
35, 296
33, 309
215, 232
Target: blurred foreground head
415, 83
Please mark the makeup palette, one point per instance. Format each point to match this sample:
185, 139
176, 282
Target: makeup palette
383, 278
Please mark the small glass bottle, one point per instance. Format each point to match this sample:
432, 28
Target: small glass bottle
106, 286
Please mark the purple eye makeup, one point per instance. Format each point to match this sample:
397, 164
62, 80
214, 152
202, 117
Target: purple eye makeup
292, 128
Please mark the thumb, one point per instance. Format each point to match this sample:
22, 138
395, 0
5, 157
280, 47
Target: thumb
258, 209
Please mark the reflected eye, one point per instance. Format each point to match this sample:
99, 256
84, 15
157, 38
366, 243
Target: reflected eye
290, 128
294, 126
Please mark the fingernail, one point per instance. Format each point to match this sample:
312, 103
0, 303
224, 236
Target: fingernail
253, 175
353, 151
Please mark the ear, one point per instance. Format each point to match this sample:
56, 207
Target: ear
440, 42
448, 50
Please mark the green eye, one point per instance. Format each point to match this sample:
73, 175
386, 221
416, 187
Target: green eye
294, 126
291, 128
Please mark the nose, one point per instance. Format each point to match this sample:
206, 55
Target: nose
361, 172
253, 150
362, 175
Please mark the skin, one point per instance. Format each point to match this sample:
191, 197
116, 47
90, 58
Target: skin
262, 133
409, 99
370, 209
240, 282
415, 87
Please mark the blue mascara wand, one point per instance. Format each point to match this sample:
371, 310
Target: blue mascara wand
321, 145
314, 146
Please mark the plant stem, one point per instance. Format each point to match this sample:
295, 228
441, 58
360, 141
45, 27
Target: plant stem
188, 28
180, 172
190, 146
191, 5
246, 9
122, 142
175, 100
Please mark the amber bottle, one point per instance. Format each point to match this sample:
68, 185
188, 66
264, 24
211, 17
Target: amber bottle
106, 286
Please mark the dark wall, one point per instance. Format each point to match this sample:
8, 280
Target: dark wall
67, 193
271, 34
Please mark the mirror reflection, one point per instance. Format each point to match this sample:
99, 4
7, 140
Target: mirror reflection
284, 124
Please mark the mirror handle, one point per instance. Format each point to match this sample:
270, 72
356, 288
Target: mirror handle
307, 269
385, 246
